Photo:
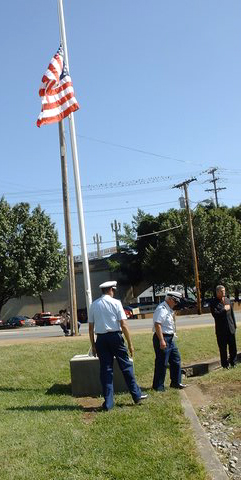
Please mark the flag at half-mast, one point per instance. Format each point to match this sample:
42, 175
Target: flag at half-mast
56, 92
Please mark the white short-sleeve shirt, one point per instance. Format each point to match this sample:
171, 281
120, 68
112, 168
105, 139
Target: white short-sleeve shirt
106, 314
165, 316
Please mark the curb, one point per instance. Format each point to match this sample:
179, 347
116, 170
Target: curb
198, 369
210, 459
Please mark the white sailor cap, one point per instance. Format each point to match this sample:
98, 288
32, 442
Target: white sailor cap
110, 284
175, 296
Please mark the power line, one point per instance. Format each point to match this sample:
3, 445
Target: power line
121, 208
138, 150
160, 231
101, 186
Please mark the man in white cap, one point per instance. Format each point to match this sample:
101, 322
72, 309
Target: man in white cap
163, 342
107, 320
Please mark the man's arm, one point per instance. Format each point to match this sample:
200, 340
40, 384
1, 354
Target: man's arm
92, 338
158, 330
126, 332
233, 316
218, 309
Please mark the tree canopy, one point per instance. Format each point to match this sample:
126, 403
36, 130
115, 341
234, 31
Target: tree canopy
31, 257
165, 258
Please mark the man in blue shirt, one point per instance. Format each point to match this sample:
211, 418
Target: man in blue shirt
107, 320
163, 342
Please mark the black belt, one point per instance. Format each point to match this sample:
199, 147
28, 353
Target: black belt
107, 333
166, 334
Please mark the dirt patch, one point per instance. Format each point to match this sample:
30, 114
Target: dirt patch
216, 391
197, 397
90, 407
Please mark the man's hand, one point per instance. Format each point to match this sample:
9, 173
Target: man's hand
94, 352
131, 350
227, 307
162, 344
92, 339
126, 332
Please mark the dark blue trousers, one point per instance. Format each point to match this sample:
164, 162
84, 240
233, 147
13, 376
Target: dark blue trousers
227, 339
108, 346
163, 357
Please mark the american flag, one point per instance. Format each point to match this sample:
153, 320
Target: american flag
56, 92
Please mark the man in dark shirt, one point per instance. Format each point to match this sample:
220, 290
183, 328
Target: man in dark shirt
225, 326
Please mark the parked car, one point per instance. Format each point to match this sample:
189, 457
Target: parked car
46, 318
206, 302
186, 302
20, 321
128, 311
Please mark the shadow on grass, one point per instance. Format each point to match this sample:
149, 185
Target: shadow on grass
59, 389
54, 408
70, 408
56, 389
12, 389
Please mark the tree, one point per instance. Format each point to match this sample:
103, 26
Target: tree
31, 258
170, 261
165, 258
131, 260
236, 212
218, 240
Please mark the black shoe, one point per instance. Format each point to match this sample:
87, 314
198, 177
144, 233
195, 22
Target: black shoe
142, 397
179, 386
104, 408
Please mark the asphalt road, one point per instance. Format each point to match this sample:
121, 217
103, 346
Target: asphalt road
32, 333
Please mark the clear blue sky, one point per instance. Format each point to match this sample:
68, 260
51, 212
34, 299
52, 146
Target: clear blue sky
163, 77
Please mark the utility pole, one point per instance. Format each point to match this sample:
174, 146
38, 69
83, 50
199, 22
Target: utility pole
98, 240
116, 228
214, 181
69, 245
193, 249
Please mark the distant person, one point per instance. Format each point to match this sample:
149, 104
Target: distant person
225, 327
164, 345
65, 323
107, 320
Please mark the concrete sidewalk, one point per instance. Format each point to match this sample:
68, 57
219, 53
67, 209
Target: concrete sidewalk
207, 452
209, 457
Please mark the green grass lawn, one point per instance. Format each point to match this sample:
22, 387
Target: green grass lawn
46, 434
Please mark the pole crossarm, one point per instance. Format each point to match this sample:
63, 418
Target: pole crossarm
215, 189
214, 180
181, 185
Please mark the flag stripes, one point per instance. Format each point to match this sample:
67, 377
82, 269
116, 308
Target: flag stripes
56, 92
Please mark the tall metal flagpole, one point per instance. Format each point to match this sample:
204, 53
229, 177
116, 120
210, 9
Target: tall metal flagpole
85, 262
